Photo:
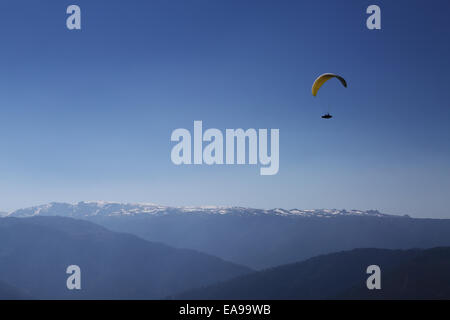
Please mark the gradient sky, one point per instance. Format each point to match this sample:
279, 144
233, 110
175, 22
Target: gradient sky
87, 115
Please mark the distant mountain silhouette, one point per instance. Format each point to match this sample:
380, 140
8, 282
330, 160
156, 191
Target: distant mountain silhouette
263, 241
254, 237
410, 274
8, 292
35, 252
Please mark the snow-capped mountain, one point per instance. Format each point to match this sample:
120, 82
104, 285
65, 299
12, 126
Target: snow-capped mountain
105, 209
256, 238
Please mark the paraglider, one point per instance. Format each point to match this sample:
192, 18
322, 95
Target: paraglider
319, 83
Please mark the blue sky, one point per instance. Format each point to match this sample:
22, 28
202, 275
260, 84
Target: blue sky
87, 115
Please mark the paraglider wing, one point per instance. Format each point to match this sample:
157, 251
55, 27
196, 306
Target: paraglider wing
324, 78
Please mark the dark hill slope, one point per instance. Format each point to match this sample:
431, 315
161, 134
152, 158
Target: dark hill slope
406, 274
35, 252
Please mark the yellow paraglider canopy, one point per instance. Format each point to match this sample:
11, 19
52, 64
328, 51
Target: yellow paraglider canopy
324, 78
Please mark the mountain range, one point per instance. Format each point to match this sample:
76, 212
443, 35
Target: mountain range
146, 251
257, 238
86, 209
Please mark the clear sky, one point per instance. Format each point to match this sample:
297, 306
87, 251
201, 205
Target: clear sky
87, 115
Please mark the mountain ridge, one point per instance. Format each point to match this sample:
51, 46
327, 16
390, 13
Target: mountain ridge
85, 209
